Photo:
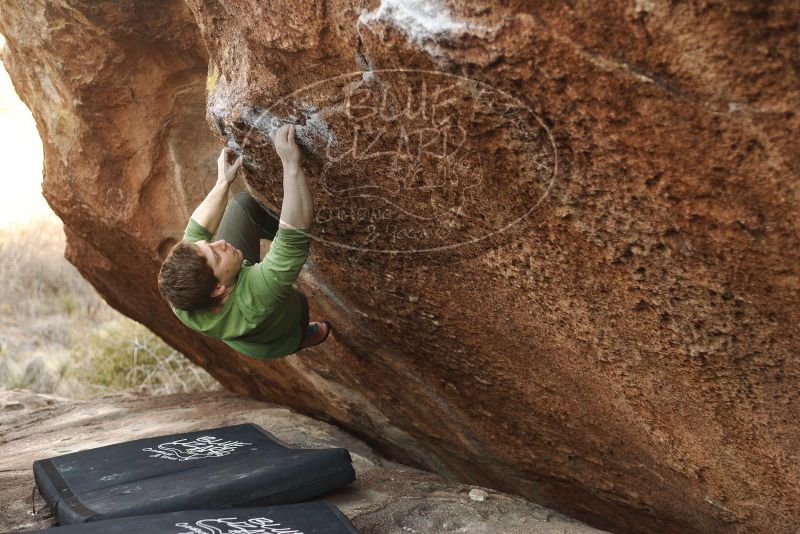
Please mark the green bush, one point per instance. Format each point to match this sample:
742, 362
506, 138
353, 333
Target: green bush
123, 354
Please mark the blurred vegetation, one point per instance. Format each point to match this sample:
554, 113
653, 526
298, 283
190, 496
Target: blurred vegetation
123, 354
58, 336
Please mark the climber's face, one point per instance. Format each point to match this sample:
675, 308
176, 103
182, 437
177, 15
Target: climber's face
223, 258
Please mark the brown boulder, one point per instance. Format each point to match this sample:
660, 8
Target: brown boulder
559, 243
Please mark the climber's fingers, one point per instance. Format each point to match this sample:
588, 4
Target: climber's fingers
237, 163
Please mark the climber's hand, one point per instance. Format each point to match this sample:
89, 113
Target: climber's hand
285, 145
226, 171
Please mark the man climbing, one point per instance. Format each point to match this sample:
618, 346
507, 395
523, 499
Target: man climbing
220, 288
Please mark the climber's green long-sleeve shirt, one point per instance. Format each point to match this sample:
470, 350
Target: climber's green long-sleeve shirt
261, 318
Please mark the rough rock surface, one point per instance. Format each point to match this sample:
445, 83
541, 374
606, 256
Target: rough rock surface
386, 498
601, 313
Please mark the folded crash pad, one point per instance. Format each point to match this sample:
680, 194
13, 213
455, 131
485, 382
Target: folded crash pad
308, 518
234, 466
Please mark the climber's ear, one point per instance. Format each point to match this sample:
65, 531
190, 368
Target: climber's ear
218, 290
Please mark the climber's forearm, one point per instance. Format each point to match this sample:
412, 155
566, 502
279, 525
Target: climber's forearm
297, 210
209, 213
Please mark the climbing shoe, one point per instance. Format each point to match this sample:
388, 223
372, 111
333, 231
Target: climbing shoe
316, 333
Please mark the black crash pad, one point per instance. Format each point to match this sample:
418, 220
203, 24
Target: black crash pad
307, 518
234, 466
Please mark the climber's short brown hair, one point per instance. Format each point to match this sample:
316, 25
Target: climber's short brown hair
186, 279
